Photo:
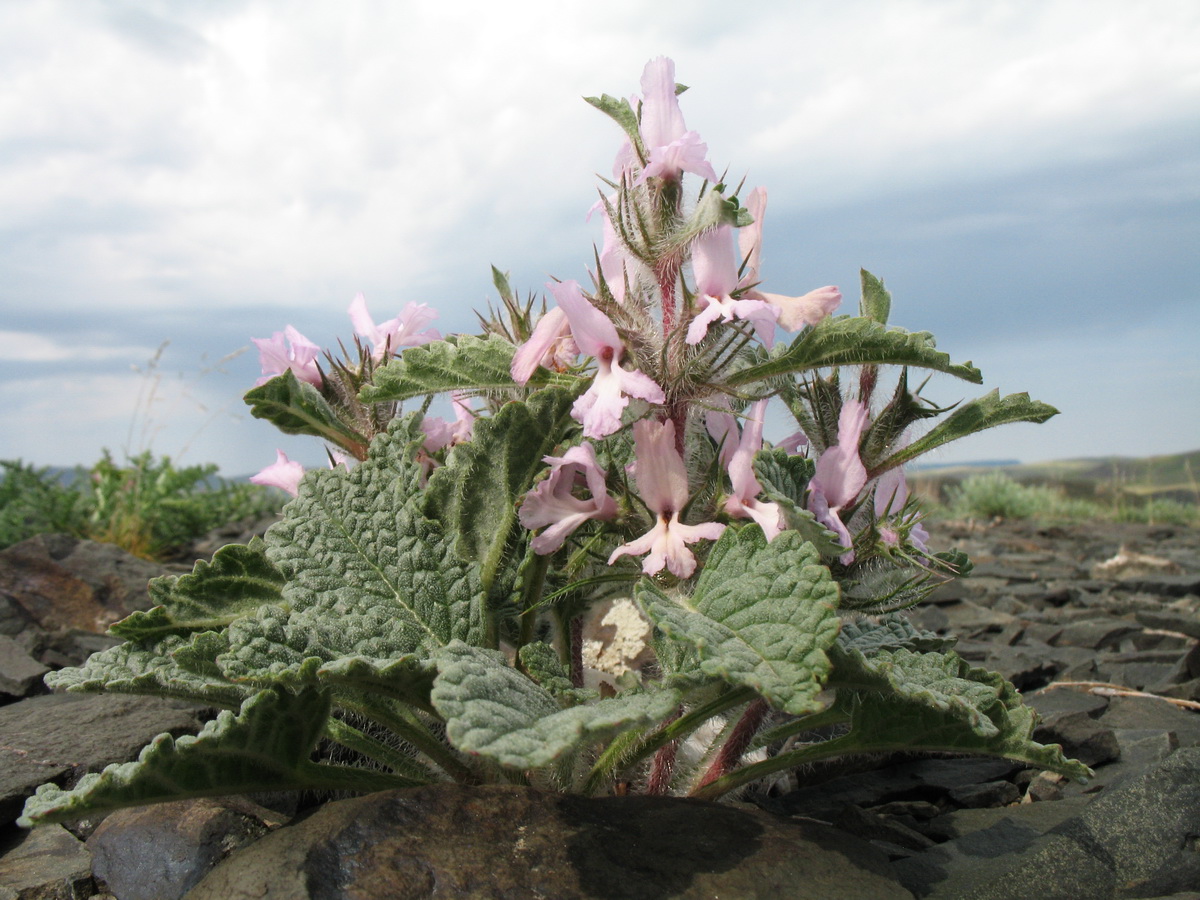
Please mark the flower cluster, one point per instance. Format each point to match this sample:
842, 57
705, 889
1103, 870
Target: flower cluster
610, 450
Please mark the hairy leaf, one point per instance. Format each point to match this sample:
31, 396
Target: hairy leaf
784, 480
876, 303
264, 747
889, 632
460, 363
619, 110
762, 616
147, 667
937, 702
238, 580
296, 407
493, 710
985, 412
847, 341
540, 661
475, 494
367, 574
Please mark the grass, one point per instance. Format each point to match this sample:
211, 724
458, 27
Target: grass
146, 506
995, 494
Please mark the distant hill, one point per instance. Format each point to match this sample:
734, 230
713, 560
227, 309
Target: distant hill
1175, 476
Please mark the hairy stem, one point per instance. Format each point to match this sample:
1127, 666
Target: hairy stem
735, 748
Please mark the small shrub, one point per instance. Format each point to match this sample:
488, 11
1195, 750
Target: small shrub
995, 495
148, 507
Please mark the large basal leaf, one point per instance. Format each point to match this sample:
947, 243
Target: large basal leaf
937, 680
784, 480
367, 574
985, 412
493, 710
296, 407
853, 341
762, 616
264, 747
460, 363
947, 707
475, 494
238, 580
147, 667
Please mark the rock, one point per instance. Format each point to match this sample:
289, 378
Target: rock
508, 841
62, 582
160, 852
1138, 840
61, 737
20, 673
1081, 737
48, 864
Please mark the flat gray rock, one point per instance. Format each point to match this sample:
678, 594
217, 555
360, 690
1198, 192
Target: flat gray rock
450, 841
48, 864
61, 737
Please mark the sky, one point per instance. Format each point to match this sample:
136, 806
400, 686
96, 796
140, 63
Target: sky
1024, 176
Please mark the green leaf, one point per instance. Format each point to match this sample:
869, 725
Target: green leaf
784, 480
937, 702
264, 747
367, 574
876, 303
762, 616
493, 710
475, 494
238, 580
147, 668
464, 363
296, 407
846, 341
889, 632
541, 663
619, 110
985, 412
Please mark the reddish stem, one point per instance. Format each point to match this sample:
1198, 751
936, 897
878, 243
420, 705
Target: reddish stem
735, 747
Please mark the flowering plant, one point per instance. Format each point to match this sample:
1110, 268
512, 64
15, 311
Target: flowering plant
422, 602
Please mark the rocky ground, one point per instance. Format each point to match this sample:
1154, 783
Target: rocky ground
1098, 625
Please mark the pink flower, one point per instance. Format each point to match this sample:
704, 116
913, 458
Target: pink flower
550, 345
288, 349
283, 473
402, 331
840, 474
891, 496
552, 504
715, 266
600, 408
672, 149
662, 482
439, 433
793, 313
743, 503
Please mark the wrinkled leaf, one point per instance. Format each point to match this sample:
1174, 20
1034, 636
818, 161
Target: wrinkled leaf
239, 579
937, 702
762, 616
493, 710
889, 632
476, 493
264, 747
784, 480
296, 407
147, 668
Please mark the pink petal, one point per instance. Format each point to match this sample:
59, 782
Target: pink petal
796, 313
283, 473
549, 329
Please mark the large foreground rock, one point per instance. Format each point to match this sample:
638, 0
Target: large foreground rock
451, 841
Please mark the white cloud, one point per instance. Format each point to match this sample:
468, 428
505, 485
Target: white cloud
28, 347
